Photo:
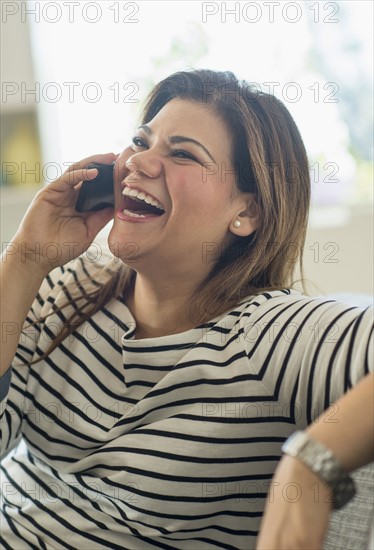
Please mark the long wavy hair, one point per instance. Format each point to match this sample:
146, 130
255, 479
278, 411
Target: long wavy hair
270, 160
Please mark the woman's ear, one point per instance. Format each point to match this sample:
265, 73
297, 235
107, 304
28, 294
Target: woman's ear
247, 219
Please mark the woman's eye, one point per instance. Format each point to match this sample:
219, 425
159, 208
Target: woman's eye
179, 153
138, 142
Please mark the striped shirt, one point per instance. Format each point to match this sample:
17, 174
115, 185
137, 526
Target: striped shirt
166, 442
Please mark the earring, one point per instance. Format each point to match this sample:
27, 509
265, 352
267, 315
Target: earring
236, 223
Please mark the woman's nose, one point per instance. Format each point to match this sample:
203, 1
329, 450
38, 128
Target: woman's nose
144, 162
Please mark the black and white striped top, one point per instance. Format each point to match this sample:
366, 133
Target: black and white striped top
166, 442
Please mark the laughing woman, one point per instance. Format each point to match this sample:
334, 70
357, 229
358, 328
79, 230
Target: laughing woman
146, 396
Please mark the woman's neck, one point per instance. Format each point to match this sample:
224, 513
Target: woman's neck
160, 310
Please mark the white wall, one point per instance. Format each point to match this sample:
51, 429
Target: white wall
16, 63
340, 259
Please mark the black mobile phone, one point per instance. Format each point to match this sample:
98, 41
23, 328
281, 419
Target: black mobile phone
98, 193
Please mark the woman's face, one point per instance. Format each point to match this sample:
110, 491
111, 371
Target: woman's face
182, 160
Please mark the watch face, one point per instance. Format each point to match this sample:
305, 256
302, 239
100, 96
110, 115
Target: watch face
295, 443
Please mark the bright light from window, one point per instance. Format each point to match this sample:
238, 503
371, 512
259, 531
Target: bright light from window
104, 70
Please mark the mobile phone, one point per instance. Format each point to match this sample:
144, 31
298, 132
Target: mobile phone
97, 193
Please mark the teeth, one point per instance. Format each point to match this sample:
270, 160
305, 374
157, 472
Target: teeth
132, 214
142, 196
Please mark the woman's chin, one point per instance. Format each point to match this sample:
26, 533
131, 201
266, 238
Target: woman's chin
124, 248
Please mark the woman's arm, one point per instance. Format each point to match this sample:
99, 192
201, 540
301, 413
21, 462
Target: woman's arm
29, 270
20, 280
50, 219
351, 437
301, 523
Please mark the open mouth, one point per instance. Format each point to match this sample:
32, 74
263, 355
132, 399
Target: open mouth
138, 204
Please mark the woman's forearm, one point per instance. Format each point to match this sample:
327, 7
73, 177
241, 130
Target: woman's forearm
350, 436
19, 284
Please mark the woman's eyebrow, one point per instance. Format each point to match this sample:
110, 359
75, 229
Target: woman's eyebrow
179, 139
145, 128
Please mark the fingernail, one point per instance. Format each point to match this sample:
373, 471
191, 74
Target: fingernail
92, 171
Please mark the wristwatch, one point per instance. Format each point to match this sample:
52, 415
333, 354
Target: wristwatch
324, 464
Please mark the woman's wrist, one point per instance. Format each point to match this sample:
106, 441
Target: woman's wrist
322, 462
303, 483
26, 258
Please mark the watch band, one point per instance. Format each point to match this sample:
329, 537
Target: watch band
323, 463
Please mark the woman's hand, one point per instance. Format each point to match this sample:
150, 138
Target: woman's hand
52, 232
297, 511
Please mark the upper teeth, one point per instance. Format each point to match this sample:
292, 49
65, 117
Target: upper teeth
142, 196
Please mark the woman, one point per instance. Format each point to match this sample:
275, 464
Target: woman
153, 389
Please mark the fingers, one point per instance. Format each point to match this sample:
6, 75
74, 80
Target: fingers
71, 179
78, 172
105, 158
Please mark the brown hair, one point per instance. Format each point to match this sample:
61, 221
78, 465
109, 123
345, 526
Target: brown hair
270, 160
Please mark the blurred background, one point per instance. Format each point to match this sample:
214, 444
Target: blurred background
75, 74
